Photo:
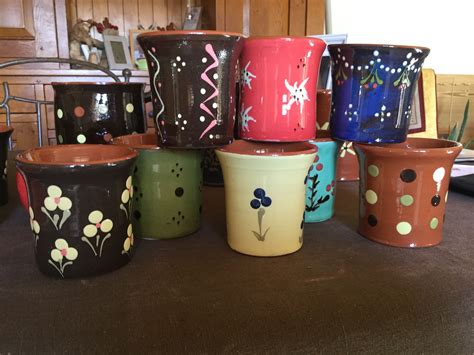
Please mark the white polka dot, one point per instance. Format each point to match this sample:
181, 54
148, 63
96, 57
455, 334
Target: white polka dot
359, 67
383, 108
405, 63
180, 115
59, 113
379, 60
178, 58
350, 105
346, 64
376, 114
215, 76
211, 136
204, 60
185, 122
203, 91
182, 128
81, 138
371, 62
387, 68
376, 53
179, 69
438, 175
392, 71
409, 55
202, 119
176, 123
174, 64
214, 105
366, 67
382, 66
399, 70
183, 64
388, 114
343, 58
352, 67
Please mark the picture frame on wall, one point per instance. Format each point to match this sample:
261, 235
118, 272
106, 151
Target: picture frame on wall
424, 118
117, 51
136, 52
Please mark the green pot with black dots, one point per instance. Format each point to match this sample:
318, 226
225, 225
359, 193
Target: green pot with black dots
167, 189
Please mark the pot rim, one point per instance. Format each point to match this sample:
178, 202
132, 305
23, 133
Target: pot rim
190, 32
98, 83
91, 155
375, 46
119, 141
267, 149
6, 129
404, 148
286, 38
323, 140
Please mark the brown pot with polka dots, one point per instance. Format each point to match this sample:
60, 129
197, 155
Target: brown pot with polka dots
97, 112
404, 190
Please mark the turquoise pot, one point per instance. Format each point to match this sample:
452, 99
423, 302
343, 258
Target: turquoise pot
321, 182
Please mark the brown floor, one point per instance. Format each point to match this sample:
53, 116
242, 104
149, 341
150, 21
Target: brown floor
340, 294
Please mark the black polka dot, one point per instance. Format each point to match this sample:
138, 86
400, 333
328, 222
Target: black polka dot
141, 195
177, 164
178, 222
172, 170
135, 188
179, 192
182, 217
408, 175
173, 218
177, 175
137, 214
372, 220
200, 209
180, 169
435, 200
135, 170
179, 213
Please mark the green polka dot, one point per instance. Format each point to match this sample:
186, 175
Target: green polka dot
129, 108
406, 200
59, 113
373, 170
434, 223
404, 228
371, 196
81, 138
60, 139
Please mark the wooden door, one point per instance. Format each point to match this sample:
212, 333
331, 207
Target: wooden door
33, 28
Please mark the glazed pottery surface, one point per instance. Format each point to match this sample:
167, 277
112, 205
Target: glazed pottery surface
321, 182
5, 133
79, 199
404, 190
193, 80
323, 109
97, 112
279, 77
212, 169
167, 189
373, 87
265, 195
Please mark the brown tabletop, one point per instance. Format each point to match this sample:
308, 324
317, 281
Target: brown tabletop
340, 293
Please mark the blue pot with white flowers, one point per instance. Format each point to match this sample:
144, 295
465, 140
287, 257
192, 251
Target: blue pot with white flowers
321, 181
373, 88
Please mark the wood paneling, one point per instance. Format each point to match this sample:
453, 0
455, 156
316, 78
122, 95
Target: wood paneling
268, 16
16, 19
128, 14
297, 23
315, 17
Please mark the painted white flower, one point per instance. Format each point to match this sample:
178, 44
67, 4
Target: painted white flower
246, 76
55, 199
63, 251
97, 223
297, 93
346, 147
35, 227
246, 118
127, 194
128, 243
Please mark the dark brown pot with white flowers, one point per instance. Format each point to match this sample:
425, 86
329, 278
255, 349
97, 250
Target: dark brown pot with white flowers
79, 200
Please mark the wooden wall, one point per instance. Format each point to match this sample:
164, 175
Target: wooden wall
127, 14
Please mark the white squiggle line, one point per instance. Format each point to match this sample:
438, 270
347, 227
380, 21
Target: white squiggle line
157, 94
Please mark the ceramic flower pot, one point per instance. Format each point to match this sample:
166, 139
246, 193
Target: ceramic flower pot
373, 87
321, 182
279, 77
5, 133
404, 189
97, 112
193, 84
79, 199
323, 109
265, 195
167, 189
212, 169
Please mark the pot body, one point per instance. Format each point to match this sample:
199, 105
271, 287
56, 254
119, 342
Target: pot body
212, 169
264, 201
167, 190
5, 133
404, 190
97, 112
193, 80
321, 182
80, 216
279, 77
373, 87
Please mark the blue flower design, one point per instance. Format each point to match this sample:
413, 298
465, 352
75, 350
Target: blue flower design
260, 199
259, 203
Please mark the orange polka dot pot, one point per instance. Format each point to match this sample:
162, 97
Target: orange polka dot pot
97, 112
404, 190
